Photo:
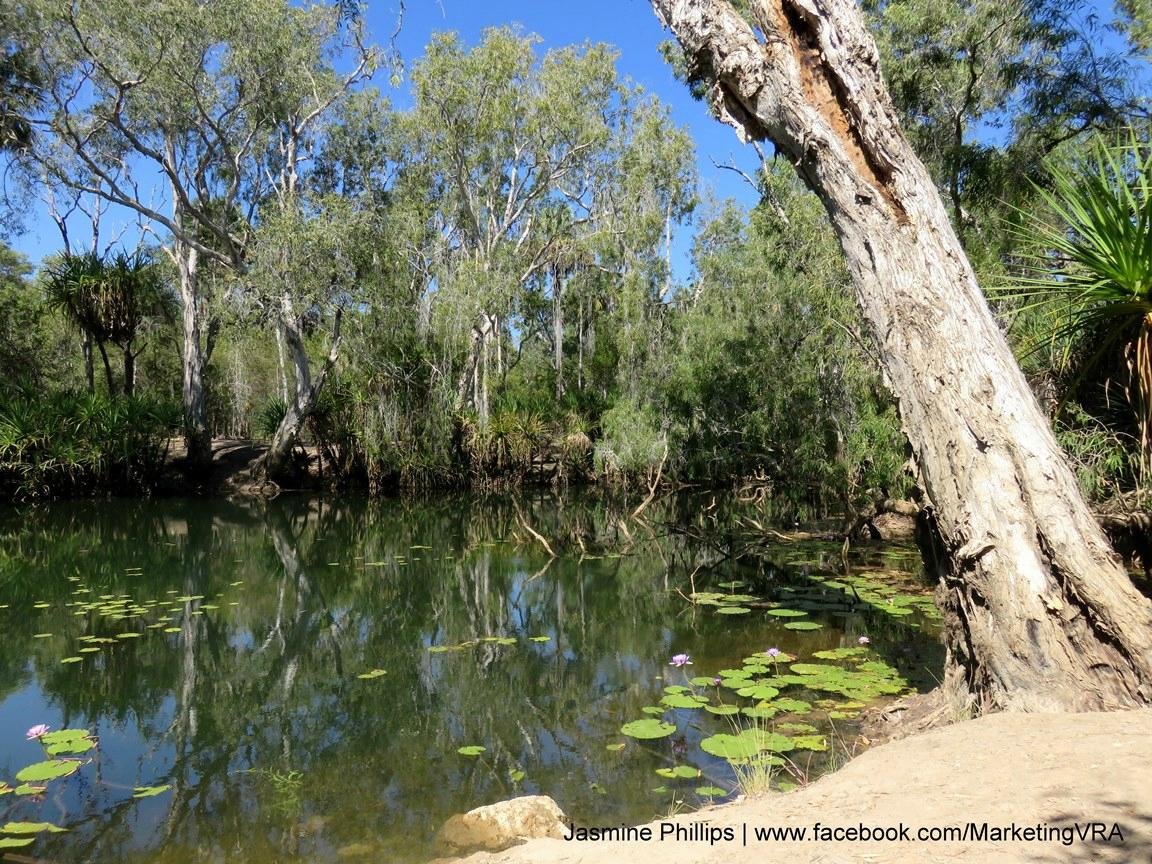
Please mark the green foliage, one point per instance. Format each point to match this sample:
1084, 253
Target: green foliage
1088, 276
69, 443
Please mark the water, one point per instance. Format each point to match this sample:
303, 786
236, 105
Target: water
241, 691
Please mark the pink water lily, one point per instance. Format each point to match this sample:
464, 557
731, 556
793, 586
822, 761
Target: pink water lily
681, 660
36, 731
773, 653
864, 640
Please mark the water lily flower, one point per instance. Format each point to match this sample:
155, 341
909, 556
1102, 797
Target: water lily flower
36, 731
717, 681
773, 653
681, 660
864, 640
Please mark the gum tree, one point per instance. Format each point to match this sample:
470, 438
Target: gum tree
171, 111
1040, 614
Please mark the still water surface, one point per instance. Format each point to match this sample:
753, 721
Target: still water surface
221, 649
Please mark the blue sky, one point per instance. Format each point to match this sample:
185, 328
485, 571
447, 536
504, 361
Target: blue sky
630, 25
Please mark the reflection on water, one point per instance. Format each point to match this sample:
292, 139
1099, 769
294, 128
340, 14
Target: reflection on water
241, 691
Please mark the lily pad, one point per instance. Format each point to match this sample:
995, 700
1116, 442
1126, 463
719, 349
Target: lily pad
685, 772
711, 792
683, 700
51, 769
814, 669
655, 710
793, 706
810, 742
723, 710
615, 748
733, 610
71, 659
375, 673
648, 728
471, 750
149, 791
29, 789
786, 613
32, 828
763, 711
759, 691
539, 638
15, 842
802, 625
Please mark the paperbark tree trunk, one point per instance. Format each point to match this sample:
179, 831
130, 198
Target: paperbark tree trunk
275, 461
1039, 614
196, 437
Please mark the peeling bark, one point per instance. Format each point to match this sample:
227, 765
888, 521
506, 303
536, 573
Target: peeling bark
1040, 615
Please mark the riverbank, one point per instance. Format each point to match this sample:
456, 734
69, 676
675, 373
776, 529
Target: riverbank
1060, 772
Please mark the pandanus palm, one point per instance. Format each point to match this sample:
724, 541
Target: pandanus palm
1096, 265
109, 301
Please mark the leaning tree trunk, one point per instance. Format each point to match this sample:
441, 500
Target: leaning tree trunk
275, 463
1039, 613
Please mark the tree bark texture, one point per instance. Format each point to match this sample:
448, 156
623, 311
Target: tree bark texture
275, 461
196, 437
1040, 615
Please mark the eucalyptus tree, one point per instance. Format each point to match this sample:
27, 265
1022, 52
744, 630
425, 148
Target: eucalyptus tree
523, 164
170, 109
1040, 614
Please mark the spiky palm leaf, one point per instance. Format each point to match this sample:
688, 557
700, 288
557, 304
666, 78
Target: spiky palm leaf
1094, 270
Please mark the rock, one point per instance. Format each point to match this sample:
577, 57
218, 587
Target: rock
895, 526
496, 827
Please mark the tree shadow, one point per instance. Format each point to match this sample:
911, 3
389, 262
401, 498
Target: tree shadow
1110, 831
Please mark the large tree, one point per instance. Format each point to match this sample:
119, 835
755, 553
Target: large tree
1040, 614
184, 112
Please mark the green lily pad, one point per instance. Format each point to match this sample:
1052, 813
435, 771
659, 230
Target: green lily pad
729, 746
683, 700
792, 706
471, 750
811, 742
815, 669
786, 613
68, 746
51, 769
516, 774
759, 691
733, 610
149, 791
71, 659
375, 673
702, 681
655, 710
32, 828
615, 748
763, 711
685, 772
795, 728
539, 638
711, 791
15, 842
840, 653
647, 729
734, 673
802, 625
29, 789
722, 710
